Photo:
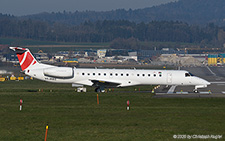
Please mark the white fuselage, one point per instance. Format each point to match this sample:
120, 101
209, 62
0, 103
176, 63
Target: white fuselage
122, 77
102, 78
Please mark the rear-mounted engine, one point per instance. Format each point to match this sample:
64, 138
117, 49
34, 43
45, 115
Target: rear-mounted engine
59, 72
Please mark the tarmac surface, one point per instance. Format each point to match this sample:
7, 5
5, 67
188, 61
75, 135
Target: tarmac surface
215, 75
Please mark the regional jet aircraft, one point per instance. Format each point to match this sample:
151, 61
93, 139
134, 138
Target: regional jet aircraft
104, 78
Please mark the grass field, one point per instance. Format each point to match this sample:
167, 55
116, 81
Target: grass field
76, 116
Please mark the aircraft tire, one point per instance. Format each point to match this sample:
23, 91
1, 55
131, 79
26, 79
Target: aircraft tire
97, 90
195, 91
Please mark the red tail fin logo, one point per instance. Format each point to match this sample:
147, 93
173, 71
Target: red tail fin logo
25, 57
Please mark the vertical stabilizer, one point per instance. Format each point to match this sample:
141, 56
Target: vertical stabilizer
25, 57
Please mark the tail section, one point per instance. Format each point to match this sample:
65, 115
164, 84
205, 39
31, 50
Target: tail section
25, 57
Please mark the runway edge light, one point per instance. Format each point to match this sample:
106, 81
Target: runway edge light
210, 92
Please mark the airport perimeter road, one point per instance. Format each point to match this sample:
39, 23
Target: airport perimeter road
215, 75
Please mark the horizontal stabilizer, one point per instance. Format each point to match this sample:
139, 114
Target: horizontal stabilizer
18, 49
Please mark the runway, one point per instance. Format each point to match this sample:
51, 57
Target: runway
215, 75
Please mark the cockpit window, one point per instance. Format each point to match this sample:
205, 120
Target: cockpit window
188, 74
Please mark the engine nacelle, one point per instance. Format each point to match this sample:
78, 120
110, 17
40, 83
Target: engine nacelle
59, 72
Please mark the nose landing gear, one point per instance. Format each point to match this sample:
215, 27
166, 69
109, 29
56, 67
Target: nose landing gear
195, 91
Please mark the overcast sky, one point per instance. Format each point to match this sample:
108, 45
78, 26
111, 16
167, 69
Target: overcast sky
26, 7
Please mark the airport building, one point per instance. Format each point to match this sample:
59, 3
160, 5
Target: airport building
142, 54
216, 59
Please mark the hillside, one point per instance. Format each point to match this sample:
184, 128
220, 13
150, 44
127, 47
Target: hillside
199, 12
173, 22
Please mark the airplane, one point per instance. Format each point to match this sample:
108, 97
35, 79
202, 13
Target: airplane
104, 78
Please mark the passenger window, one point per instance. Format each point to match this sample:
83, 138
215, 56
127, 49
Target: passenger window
99, 74
143, 74
154, 75
121, 74
93, 73
116, 74
82, 73
127, 74
149, 75
160, 74
137, 74
104, 74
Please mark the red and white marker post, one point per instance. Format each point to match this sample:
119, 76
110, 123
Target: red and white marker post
97, 99
21, 102
128, 105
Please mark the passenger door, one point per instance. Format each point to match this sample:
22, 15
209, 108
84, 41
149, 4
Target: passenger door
169, 78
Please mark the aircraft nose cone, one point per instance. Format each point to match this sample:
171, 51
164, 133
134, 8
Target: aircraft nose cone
203, 81
206, 82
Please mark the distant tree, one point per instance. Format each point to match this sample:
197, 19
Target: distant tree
121, 33
130, 43
221, 37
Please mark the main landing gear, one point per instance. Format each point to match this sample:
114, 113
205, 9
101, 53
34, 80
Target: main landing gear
100, 90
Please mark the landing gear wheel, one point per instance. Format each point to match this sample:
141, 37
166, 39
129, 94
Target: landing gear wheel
195, 91
100, 90
97, 90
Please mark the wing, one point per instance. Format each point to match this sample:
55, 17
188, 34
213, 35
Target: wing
104, 83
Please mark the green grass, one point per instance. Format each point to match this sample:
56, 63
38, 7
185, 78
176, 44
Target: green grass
76, 116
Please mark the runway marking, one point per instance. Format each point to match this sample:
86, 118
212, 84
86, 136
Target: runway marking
210, 70
205, 92
171, 90
218, 82
181, 93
